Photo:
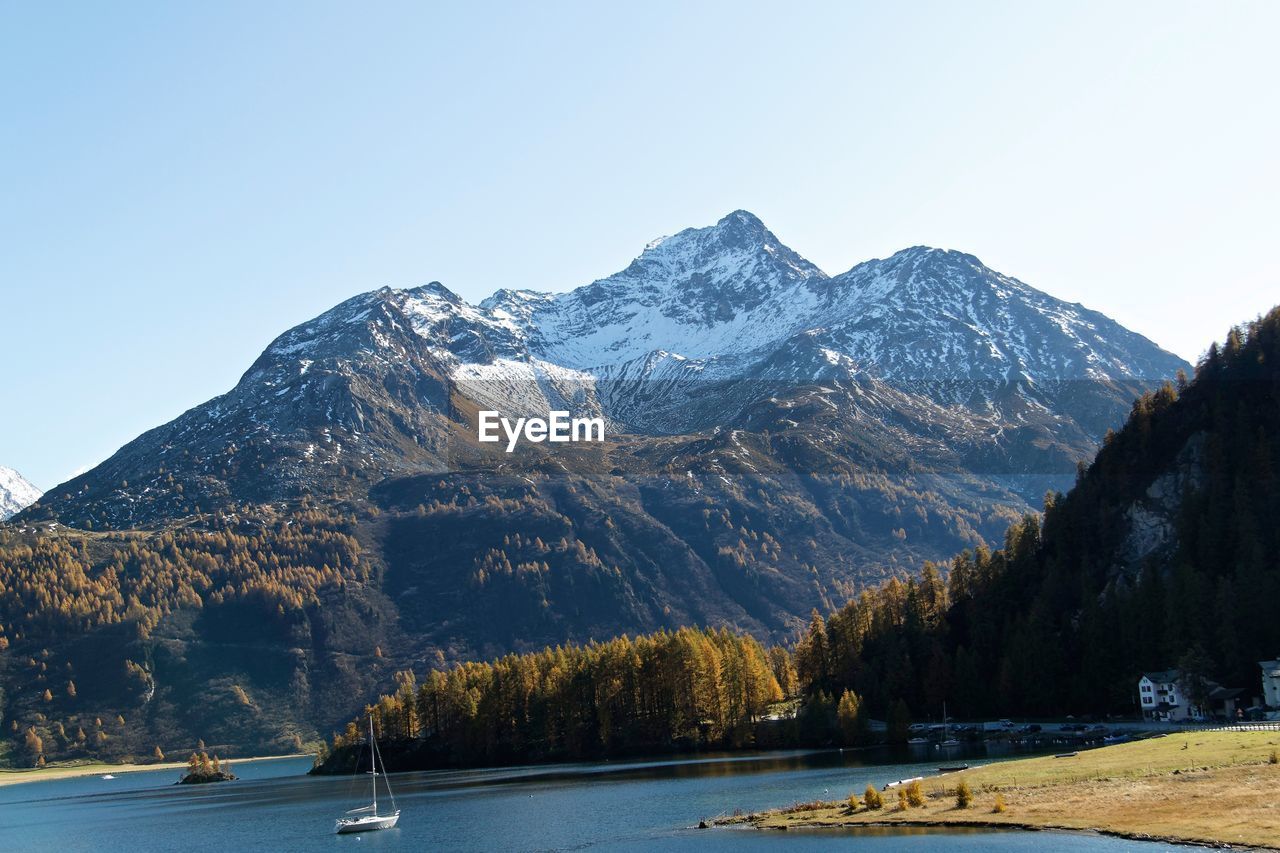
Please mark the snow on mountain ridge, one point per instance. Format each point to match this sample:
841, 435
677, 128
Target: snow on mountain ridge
930, 313
16, 493
703, 292
711, 328
730, 302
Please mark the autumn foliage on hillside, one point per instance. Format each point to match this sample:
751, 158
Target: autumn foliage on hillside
81, 581
79, 607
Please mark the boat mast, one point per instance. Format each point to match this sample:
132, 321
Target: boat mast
373, 759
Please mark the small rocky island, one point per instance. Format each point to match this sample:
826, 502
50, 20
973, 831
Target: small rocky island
201, 770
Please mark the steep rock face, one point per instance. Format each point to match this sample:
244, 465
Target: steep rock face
16, 494
1151, 520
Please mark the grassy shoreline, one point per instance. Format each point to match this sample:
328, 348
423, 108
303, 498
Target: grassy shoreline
1207, 788
97, 768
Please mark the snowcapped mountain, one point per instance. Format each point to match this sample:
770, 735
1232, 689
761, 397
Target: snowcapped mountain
704, 293
16, 494
778, 440
933, 314
732, 302
733, 290
711, 328
704, 322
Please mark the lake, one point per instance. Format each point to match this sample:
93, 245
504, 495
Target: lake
620, 805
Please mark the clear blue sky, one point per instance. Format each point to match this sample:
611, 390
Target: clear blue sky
183, 181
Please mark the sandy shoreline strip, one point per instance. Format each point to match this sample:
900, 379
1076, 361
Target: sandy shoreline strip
96, 768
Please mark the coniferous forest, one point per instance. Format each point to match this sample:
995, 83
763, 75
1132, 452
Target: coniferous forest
1163, 554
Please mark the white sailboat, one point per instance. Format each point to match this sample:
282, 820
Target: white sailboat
367, 818
947, 740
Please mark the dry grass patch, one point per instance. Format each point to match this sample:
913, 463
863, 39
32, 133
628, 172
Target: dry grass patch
1215, 788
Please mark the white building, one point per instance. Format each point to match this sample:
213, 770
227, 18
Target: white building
1270, 683
1162, 696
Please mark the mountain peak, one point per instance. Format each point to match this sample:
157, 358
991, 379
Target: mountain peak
930, 313
743, 217
700, 292
16, 494
738, 239
505, 297
435, 288
933, 254
743, 223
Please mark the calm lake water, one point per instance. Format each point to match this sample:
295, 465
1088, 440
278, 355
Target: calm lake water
649, 805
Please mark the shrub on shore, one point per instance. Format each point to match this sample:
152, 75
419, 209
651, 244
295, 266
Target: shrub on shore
999, 806
872, 799
915, 795
1275, 757
902, 800
964, 796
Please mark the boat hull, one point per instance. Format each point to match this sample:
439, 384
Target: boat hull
346, 826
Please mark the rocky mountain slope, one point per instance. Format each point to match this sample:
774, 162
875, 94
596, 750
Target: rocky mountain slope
777, 440
701, 331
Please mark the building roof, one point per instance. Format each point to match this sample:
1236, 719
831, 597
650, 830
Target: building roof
1167, 676
1222, 694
